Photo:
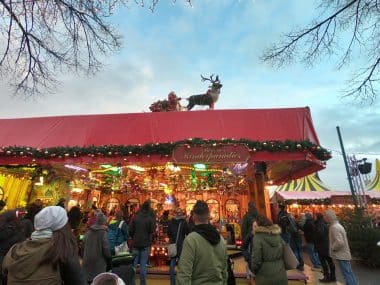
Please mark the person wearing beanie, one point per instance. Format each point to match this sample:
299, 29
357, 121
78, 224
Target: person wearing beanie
339, 248
204, 254
50, 257
96, 249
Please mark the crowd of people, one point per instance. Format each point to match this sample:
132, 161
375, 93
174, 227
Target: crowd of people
325, 240
47, 245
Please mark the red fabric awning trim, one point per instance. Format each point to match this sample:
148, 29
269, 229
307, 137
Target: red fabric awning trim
294, 124
142, 128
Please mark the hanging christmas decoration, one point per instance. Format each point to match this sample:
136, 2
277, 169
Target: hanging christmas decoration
164, 149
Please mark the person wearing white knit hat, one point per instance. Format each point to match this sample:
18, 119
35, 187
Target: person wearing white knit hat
50, 257
52, 218
107, 278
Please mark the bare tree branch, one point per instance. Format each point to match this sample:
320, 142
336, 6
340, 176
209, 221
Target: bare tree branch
39, 40
358, 18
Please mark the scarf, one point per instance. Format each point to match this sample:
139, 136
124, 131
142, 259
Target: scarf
43, 234
208, 232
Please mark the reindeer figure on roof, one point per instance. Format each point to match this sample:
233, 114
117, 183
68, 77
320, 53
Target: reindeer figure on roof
210, 97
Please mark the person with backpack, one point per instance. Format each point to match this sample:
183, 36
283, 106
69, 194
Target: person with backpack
117, 231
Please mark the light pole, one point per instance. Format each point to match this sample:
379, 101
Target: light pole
354, 198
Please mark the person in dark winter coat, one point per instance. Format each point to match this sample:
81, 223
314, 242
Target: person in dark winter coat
309, 235
75, 217
164, 221
49, 257
11, 232
248, 219
204, 254
31, 211
141, 230
267, 253
247, 253
321, 241
284, 223
173, 229
296, 242
96, 254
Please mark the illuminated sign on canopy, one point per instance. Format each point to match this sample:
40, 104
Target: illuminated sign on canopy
238, 153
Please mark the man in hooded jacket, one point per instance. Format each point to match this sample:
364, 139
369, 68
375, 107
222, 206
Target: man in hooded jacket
204, 253
339, 248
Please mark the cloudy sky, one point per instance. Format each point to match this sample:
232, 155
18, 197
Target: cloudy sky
169, 49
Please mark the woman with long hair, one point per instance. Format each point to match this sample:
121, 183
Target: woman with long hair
50, 257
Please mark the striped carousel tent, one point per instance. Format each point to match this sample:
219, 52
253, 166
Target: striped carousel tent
310, 183
288, 187
374, 185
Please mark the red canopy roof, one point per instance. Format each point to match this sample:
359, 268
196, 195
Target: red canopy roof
145, 128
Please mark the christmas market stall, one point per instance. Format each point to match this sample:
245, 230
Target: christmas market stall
310, 194
116, 161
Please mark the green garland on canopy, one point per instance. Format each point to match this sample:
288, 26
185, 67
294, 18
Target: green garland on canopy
164, 149
325, 201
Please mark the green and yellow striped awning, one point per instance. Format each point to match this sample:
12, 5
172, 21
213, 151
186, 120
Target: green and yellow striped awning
310, 183
289, 187
374, 185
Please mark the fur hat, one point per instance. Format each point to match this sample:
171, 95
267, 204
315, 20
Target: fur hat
53, 218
